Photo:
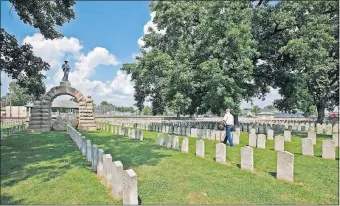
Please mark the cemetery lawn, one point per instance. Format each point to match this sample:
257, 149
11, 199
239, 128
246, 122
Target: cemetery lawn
46, 168
166, 176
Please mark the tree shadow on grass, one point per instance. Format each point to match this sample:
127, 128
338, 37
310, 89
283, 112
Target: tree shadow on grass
130, 152
43, 155
9, 200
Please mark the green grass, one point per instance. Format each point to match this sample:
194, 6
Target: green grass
46, 168
166, 176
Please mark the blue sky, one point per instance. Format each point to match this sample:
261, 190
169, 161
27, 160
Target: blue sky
103, 35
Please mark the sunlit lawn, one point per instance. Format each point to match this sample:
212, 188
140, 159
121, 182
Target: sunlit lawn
46, 168
166, 176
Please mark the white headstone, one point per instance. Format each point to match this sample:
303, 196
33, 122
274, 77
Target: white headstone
336, 128
89, 151
168, 141
252, 131
117, 180
200, 148
175, 143
285, 166
221, 152
236, 137
335, 138
319, 128
100, 171
107, 168
279, 143
247, 158
160, 139
329, 128
307, 146
261, 141
94, 157
252, 140
312, 135
130, 193
287, 135
270, 134
328, 149
185, 145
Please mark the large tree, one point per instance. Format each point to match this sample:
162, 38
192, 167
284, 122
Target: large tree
300, 46
17, 96
203, 61
18, 61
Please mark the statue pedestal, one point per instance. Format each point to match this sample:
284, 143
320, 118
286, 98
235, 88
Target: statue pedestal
65, 83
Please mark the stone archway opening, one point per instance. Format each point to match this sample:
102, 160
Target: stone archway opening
41, 116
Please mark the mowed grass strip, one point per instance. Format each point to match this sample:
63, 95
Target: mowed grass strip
46, 168
167, 176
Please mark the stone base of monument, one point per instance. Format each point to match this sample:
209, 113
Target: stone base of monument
65, 83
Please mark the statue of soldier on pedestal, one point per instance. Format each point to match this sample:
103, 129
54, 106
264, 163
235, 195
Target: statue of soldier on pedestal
66, 68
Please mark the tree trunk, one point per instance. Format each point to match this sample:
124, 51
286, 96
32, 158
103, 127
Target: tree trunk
236, 120
321, 112
177, 114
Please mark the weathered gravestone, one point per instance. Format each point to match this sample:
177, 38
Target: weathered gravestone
252, 140
287, 135
335, 138
130, 193
89, 151
185, 145
200, 148
247, 158
270, 134
175, 143
221, 152
285, 166
107, 165
160, 139
312, 135
100, 170
168, 139
328, 149
261, 141
279, 143
117, 180
307, 146
94, 157
235, 137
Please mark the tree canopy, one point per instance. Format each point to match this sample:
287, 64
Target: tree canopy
212, 55
18, 61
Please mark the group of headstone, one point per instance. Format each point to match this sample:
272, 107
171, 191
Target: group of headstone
133, 133
122, 183
14, 129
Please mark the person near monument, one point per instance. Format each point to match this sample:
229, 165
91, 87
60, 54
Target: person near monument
228, 121
66, 70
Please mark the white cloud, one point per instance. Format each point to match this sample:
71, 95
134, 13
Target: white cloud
146, 29
54, 51
118, 91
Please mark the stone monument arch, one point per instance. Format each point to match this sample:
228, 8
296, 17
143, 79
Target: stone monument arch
41, 115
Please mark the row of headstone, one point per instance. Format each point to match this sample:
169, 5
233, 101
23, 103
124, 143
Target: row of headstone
122, 183
129, 132
14, 129
328, 146
11, 123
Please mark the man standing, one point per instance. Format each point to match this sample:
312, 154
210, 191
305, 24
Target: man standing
228, 121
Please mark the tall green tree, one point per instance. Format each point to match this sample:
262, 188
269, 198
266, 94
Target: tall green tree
18, 96
255, 109
204, 59
19, 62
299, 43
